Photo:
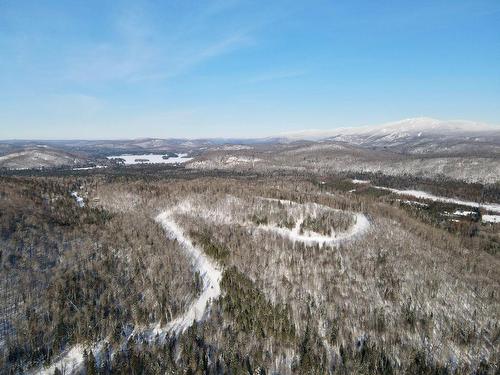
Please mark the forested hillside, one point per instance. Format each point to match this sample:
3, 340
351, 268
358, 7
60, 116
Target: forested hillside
77, 275
314, 278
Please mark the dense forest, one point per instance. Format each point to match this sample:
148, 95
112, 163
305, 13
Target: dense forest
414, 293
72, 274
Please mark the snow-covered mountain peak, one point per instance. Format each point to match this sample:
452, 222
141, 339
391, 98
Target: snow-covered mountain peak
418, 126
423, 124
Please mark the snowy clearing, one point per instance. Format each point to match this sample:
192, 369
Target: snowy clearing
151, 159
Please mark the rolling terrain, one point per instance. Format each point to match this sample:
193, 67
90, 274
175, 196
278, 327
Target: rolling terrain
458, 150
39, 157
285, 274
290, 256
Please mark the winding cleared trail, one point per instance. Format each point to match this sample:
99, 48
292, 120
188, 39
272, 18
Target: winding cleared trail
72, 360
362, 224
209, 272
493, 207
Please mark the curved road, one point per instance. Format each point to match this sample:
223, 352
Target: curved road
211, 275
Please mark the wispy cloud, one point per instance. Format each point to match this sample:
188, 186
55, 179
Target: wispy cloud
135, 54
277, 75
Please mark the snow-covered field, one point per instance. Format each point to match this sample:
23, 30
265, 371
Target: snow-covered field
484, 218
151, 159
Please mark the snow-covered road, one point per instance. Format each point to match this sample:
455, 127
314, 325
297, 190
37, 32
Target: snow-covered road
310, 238
68, 362
361, 225
72, 360
209, 272
494, 207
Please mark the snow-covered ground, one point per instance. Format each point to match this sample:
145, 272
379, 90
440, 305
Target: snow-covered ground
360, 226
72, 360
309, 237
69, 362
494, 207
225, 162
151, 159
491, 219
413, 203
89, 168
241, 159
38, 158
209, 272
235, 147
79, 200
463, 213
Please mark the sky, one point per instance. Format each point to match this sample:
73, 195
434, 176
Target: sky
98, 69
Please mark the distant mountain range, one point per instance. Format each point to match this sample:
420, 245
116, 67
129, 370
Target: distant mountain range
417, 135
400, 128
136, 145
414, 131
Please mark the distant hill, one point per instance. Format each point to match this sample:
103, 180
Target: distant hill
38, 157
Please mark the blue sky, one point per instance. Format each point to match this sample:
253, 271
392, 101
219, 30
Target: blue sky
128, 69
